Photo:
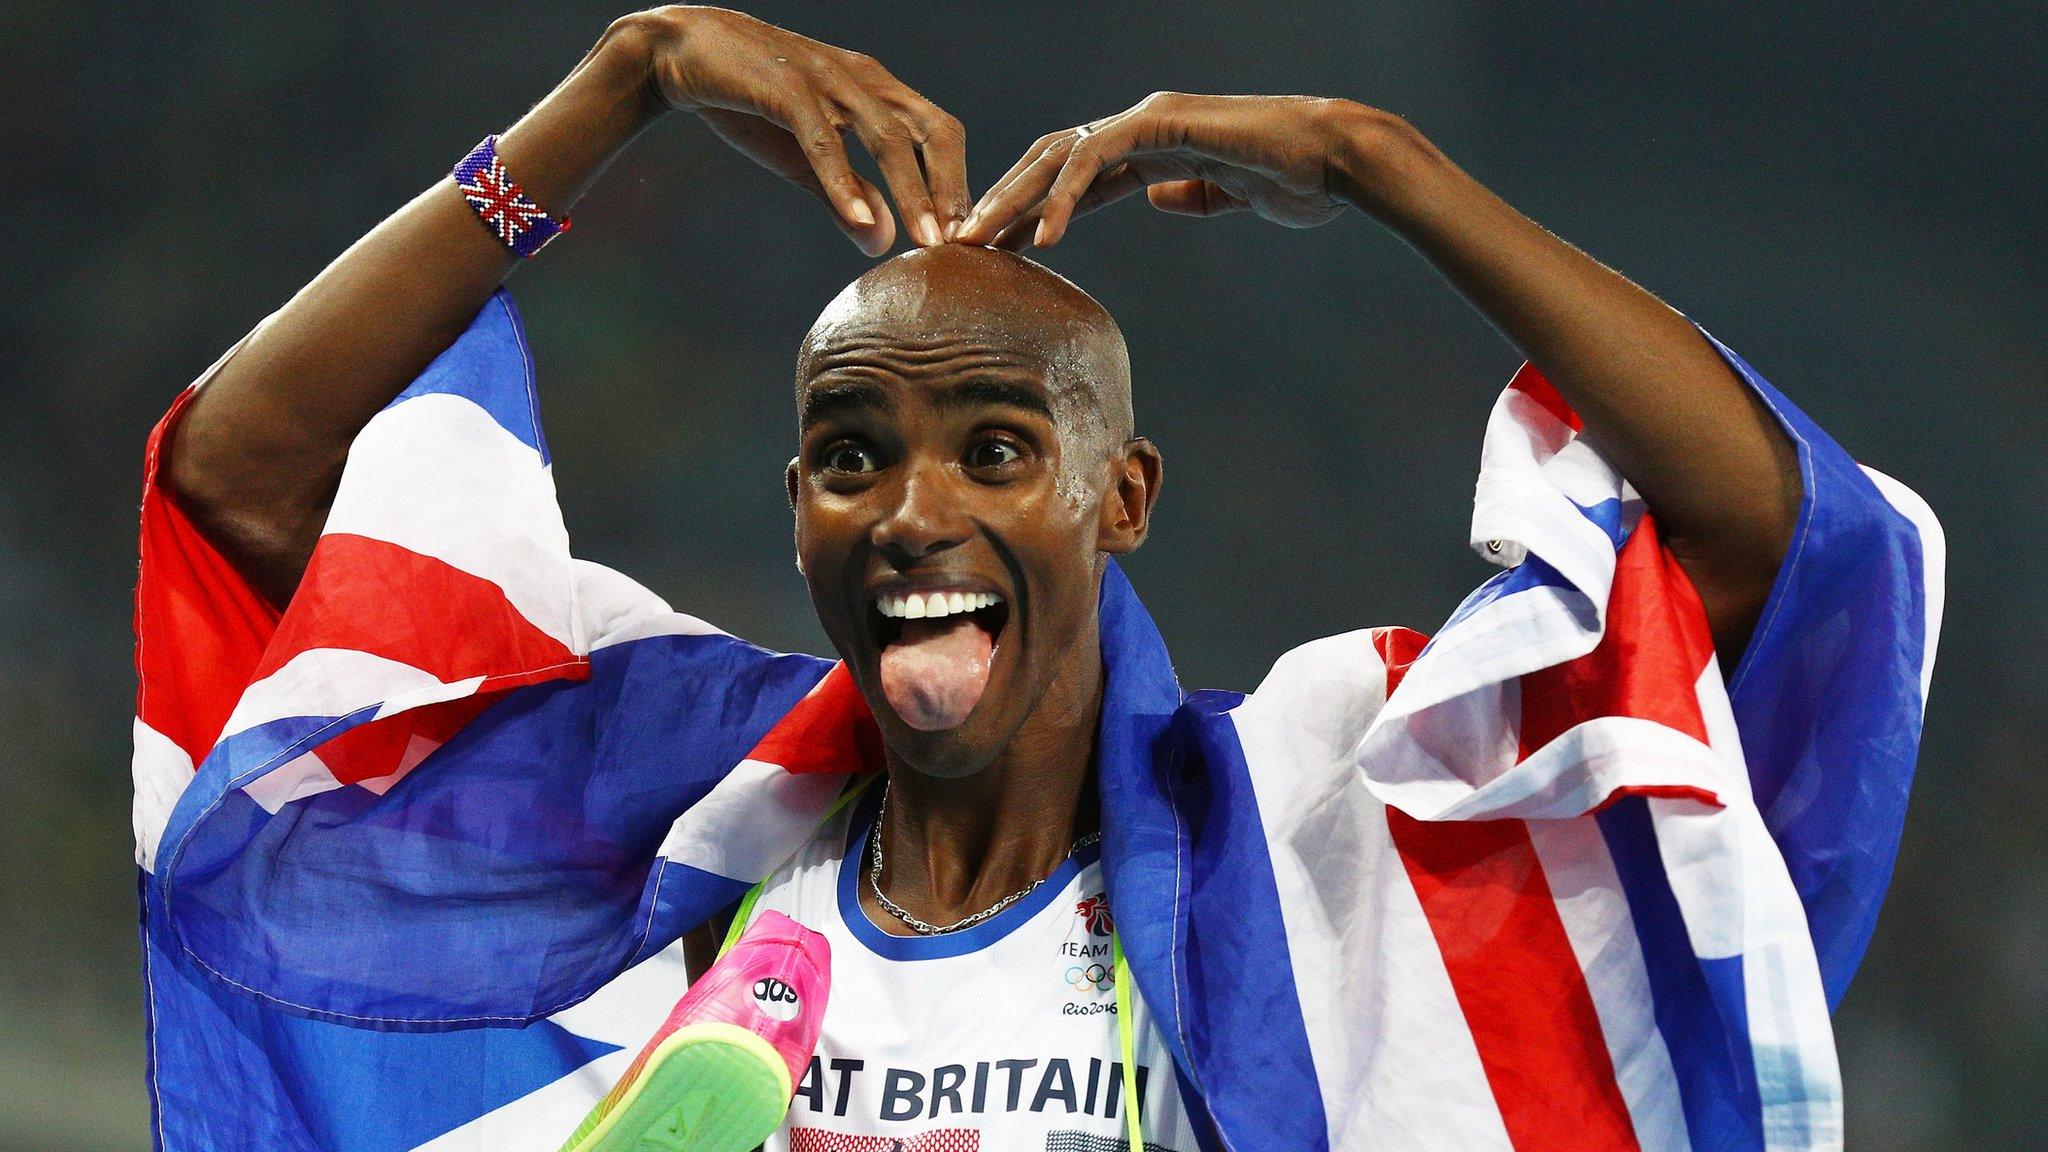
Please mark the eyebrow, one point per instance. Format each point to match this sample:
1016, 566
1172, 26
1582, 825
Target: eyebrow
845, 397
827, 400
981, 392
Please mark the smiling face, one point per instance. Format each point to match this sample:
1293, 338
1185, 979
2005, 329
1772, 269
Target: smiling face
966, 464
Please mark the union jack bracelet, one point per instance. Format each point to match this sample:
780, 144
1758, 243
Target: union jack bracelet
517, 222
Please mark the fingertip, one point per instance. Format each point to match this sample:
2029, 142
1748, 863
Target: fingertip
859, 212
874, 240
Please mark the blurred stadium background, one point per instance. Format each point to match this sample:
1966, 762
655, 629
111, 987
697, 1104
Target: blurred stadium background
1851, 194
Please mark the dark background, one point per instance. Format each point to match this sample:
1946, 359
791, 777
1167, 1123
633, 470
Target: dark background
1852, 195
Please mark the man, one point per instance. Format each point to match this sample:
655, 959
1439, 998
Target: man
450, 780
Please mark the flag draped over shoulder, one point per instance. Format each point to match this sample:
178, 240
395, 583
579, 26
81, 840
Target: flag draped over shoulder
416, 852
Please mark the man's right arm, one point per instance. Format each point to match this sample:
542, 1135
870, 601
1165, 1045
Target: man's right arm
258, 454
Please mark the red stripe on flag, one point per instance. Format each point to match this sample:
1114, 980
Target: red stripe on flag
203, 634
1511, 967
1531, 383
1648, 662
200, 629
1517, 981
375, 750
377, 597
1398, 648
813, 735
374, 596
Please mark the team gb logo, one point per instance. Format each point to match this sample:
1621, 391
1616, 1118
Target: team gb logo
1095, 911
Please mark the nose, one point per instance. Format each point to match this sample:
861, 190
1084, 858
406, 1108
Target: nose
925, 516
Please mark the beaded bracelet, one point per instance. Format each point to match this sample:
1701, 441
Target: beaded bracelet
502, 205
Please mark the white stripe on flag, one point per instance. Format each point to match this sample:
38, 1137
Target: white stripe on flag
752, 821
1510, 637
1595, 914
1569, 776
162, 771
336, 682
295, 779
1396, 1062
1933, 563
1519, 505
437, 475
1737, 898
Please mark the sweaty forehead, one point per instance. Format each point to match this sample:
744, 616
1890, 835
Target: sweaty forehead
955, 310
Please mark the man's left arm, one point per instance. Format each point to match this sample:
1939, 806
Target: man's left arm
1656, 399
1761, 508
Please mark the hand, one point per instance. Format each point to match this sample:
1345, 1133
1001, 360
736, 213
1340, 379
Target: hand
786, 101
1278, 156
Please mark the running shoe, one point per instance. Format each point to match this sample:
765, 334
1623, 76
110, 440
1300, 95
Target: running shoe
719, 1074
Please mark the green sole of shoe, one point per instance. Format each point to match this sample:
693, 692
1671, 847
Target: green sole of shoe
708, 1088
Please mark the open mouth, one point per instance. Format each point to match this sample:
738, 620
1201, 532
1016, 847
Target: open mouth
936, 651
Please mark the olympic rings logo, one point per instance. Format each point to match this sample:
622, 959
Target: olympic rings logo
1094, 976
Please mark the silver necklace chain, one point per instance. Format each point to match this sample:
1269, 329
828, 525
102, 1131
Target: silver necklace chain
921, 927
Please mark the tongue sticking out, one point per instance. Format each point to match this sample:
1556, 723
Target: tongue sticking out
936, 670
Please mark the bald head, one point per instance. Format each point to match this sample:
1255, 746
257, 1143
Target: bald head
979, 309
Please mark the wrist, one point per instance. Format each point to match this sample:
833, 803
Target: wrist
561, 146
1383, 166
622, 62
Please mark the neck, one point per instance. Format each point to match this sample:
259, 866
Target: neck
953, 847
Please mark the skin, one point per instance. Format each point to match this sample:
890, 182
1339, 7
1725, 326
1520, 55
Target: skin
1711, 462
259, 453
965, 424
913, 467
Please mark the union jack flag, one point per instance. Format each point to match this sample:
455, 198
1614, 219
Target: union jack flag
418, 852
518, 222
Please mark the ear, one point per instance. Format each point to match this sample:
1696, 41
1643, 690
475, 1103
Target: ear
1127, 513
789, 482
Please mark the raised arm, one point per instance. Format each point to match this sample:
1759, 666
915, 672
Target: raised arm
257, 456
1655, 397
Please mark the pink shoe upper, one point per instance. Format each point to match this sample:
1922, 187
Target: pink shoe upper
774, 983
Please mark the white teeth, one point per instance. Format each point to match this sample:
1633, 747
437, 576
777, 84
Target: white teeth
916, 606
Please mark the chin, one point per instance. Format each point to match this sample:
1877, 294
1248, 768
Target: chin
947, 753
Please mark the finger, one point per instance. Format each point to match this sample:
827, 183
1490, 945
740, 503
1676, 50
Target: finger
896, 154
1193, 198
880, 238
944, 151
1006, 199
1110, 187
771, 146
893, 122
1085, 161
825, 151
1038, 148
1017, 236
